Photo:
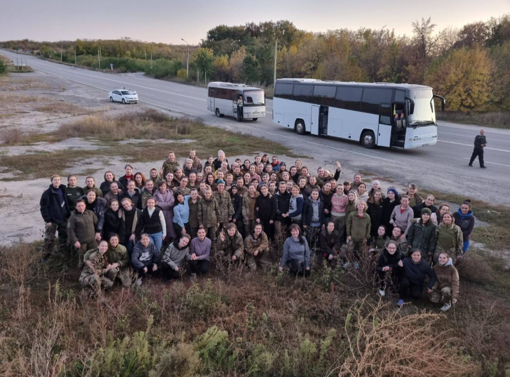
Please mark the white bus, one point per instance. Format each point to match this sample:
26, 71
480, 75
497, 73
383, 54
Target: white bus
222, 100
387, 115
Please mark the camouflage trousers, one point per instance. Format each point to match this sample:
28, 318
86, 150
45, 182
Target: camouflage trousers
95, 282
50, 236
261, 261
356, 248
442, 296
125, 275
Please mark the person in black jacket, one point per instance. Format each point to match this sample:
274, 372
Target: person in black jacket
375, 210
388, 266
109, 177
413, 278
389, 203
480, 143
55, 212
113, 222
282, 220
330, 243
237, 203
127, 177
98, 206
132, 225
265, 211
466, 221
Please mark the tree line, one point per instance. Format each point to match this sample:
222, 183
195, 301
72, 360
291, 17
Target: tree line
469, 66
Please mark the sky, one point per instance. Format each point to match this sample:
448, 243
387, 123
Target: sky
169, 21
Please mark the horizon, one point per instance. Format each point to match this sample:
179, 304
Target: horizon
170, 28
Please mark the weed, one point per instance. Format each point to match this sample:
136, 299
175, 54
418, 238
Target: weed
11, 136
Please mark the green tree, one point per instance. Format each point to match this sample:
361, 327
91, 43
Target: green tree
463, 77
203, 60
3, 67
251, 68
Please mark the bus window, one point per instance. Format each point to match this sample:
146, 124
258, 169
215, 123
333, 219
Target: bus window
283, 90
211, 92
385, 114
324, 95
348, 98
373, 97
303, 92
400, 96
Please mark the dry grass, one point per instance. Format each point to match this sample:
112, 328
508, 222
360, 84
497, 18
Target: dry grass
496, 120
148, 125
61, 108
15, 83
385, 343
11, 136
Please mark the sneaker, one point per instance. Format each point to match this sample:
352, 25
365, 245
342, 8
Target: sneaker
483, 167
400, 303
382, 292
446, 307
138, 281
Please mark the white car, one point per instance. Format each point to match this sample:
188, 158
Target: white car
123, 95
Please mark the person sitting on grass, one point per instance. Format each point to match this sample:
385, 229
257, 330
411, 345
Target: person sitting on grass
296, 253
330, 243
200, 250
446, 288
93, 275
175, 258
388, 269
257, 249
230, 245
413, 278
145, 258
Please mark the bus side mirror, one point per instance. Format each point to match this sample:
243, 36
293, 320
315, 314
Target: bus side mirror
443, 101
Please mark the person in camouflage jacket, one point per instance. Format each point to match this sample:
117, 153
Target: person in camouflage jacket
230, 245
249, 213
169, 165
208, 213
225, 207
95, 269
257, 249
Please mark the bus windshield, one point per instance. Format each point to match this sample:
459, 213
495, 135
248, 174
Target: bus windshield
424, 113
254, 97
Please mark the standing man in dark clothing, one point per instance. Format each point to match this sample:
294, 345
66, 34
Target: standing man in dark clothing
55, 212
480, 143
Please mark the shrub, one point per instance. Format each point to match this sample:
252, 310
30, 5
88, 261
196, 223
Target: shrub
3, 67
386, 343
12, 136
216, 352
179, 361
182, 74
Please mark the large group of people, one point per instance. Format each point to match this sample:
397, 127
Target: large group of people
243, 213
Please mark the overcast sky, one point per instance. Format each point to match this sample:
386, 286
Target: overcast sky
168, 21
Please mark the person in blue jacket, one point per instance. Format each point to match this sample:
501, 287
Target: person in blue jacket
181, 216
296, 204
466, 221
413, 279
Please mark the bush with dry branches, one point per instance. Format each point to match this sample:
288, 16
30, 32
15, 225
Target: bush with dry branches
383, 342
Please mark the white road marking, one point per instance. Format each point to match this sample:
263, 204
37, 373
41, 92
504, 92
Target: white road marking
471, 145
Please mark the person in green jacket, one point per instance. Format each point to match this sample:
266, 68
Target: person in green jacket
81, 230
94, 271
449, 238
358, 231
422, 235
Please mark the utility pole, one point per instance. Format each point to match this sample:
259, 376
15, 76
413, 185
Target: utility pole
187, 59
198, 76
205, 78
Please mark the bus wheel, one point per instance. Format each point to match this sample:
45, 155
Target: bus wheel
218, 114
254, 119
368, 139
300, 127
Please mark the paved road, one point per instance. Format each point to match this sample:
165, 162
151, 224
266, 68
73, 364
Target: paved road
442, 167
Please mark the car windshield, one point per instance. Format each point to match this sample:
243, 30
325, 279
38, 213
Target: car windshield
254, 97
125, 92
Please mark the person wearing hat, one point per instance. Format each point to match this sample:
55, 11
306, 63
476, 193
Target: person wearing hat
237, 204
422, 235
226, 210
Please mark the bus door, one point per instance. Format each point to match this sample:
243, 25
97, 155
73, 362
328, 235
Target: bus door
314, 122
211, 100
399, 125
385, 126
323, 120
